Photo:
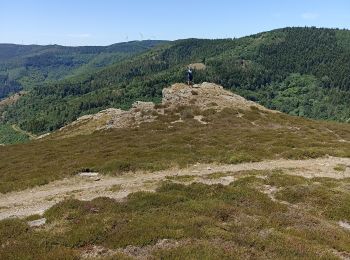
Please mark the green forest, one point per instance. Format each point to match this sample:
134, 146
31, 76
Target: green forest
300, 71
9, 136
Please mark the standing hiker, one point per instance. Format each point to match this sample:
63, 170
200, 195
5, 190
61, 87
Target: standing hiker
189, 76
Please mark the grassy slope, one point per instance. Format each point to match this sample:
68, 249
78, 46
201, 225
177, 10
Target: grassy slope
237, 221
155, 146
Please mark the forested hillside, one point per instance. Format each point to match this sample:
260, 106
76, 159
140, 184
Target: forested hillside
301, 71
9, 136
27, 66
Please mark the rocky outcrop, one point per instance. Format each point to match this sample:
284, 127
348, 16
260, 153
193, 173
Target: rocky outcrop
37, 223
140, 112
203, 96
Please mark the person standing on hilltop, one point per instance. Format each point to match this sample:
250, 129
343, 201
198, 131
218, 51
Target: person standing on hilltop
189, 76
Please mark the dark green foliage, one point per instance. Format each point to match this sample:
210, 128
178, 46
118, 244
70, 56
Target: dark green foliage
9, 136
32, 65
8, 86
301, 71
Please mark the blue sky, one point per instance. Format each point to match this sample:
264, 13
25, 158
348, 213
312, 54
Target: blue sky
103, 22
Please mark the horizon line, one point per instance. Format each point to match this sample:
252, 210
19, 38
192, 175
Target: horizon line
170, 40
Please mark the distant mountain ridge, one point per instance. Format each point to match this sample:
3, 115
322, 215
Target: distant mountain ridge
9, 51
26, 66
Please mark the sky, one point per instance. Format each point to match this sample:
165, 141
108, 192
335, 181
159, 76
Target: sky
104, 22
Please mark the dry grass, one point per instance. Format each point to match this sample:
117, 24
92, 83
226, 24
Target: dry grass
237, 221
217, 175
115, 188
340, 168
232, 136
181, 178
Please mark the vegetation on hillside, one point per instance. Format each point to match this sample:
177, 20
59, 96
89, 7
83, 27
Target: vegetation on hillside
27, 66
261, 214
197, 221
301, 71
8, 135
233, 136
8, 86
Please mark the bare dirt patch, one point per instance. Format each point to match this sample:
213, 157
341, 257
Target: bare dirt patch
38, 199
197, 66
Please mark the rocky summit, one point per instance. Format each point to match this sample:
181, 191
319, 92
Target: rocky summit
199, 96
204, 96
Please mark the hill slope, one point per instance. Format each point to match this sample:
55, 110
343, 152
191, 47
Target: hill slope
206, 174
301, 71
26, 66
203, 124
200, 97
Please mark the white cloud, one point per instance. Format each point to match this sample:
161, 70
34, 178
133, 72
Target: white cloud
79, 35
310, 16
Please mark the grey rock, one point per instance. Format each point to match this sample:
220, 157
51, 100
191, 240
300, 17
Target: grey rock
37, 223
89, 174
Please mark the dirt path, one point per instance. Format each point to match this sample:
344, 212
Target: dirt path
38, 199
19, 130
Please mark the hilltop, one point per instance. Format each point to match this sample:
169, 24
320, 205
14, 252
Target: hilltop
300, 71
200, 97
204, 123
131, 164
203, 174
